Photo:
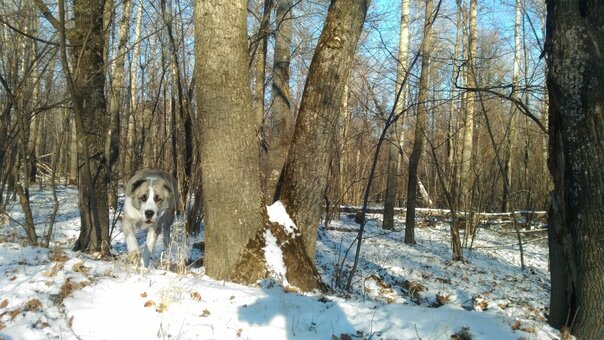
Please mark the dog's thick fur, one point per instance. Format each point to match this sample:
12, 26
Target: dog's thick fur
151, 198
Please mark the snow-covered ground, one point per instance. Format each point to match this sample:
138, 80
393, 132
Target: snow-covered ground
400, 291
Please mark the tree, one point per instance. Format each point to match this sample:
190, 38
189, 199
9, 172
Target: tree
420, 125
281, 119
115, 101
228, 152
466, 150
395, 148
86, 83
307, 165
575, 80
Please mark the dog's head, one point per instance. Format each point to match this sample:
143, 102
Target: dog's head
152, 198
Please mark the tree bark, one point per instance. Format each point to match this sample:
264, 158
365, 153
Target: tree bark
281, 119
229, 155
307, 165
574, 41
86, 86
420, 126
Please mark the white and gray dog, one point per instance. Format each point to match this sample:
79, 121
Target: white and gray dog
151, 197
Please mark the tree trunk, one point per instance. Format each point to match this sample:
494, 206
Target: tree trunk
576, 125
396, 144
465, 200
259, 59
229, 155
87, 89
307, 165
511, 134
131, 128
420, 126
115, 103
281, 119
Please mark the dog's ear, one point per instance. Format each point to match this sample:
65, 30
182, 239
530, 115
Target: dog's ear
137, 184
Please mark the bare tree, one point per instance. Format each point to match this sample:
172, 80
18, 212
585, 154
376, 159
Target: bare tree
420, 125
398, 135
86, 84
307, 165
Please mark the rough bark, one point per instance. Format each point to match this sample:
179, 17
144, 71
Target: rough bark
86, 83
420, 126
228, 150
281, 118
575, 76
307, 165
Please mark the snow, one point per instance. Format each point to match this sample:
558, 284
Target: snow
274, 258
278, 214
399, 292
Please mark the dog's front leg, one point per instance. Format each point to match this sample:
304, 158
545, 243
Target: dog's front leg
131, 242
150, 244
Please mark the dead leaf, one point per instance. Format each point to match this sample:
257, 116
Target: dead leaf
516, 325
4, 303
144, 294
205, 313
291, 289
32, 305
57, 255
80, 268
239, 331
196, 296
529, 329
161, 308
149, 303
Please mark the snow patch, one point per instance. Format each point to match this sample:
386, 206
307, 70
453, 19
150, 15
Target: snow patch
274, 257
278, 214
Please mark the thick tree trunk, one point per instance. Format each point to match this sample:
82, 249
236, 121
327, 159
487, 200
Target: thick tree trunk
228, 152
307, 165
420, 126
576, 128
281, 119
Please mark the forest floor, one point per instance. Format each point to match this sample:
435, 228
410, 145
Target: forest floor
399, 292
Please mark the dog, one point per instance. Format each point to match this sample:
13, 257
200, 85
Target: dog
150, 203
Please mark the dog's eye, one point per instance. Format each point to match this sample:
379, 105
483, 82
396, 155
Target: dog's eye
143, 198
157, 198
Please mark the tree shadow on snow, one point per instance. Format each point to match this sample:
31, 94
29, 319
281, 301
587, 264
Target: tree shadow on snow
300, 317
